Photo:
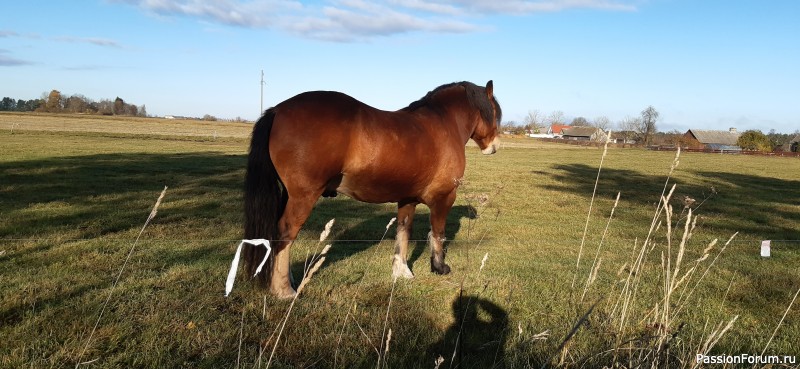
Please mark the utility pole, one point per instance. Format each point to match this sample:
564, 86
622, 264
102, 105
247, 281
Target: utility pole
262, 94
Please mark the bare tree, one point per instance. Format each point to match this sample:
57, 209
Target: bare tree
580, 122
631, 128
648, 127
602, 122
556, 117
534, 121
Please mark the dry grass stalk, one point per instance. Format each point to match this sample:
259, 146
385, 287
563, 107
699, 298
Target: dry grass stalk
682, 303
595, 264
241, 332
628, 293
388, 340
589, 214
712, 339
779, 323
385, 323
571, 334
336, 354
309, 273
339, 341
306, 279
439, 360
116, 280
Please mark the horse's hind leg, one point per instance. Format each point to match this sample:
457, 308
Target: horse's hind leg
405, 218
294, 216
439, 210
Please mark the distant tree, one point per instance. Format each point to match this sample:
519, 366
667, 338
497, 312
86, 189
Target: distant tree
648, 124
556, 117
602, 122
8, 104
76, 104
580, 122
142, 111
754, 140
779, 140
533, 121
104, 107
210, 118
53, 103
631, 128
131, 110
29, 105
675, 137
119, 106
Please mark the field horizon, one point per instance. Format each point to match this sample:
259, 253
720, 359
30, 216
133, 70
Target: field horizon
76, 192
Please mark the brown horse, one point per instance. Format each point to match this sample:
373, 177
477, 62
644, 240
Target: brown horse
322, 142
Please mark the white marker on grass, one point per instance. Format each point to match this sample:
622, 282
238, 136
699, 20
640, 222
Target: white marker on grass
765, 248
235, 262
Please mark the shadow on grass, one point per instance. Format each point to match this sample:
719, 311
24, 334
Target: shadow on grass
477, 337
95, 195
757, 207
371, 221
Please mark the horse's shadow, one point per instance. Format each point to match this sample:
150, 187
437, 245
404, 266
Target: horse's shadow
477, 337
366, 234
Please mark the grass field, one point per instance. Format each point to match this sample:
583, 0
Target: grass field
75, 192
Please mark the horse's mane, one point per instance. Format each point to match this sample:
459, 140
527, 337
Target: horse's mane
476, 96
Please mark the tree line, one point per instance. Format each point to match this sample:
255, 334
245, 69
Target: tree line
640, 128
643, 129
56, 102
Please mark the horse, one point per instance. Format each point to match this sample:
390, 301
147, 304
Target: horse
321, 143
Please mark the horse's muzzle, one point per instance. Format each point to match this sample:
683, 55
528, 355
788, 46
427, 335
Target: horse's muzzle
492, 148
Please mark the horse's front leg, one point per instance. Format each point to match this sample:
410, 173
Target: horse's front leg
439, 210
405, 218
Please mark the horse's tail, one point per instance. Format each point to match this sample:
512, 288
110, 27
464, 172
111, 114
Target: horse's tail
264, 198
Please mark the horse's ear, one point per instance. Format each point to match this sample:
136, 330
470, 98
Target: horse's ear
489, 89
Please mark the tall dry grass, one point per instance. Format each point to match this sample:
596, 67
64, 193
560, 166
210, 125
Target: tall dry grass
150, 217
643, 327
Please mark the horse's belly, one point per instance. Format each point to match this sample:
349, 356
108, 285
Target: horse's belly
375, 191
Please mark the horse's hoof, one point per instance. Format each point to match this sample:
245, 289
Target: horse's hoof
440, 268
284, 293
400, 268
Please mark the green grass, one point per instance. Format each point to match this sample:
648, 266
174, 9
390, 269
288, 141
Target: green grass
72, 203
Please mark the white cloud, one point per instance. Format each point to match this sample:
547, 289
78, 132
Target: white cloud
526, 6
349, 20
89, 40
6, 33
10, 61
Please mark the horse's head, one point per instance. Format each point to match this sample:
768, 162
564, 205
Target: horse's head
487, 127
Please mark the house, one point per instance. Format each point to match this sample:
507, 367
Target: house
794, 144
556, 129
712, 140
584, 134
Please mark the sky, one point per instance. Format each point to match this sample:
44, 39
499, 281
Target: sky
702, 64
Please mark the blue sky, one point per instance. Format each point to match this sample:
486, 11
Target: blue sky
701, 63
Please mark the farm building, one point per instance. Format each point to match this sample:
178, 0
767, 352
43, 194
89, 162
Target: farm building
794, 144
556, 129
712, 140
584, 134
